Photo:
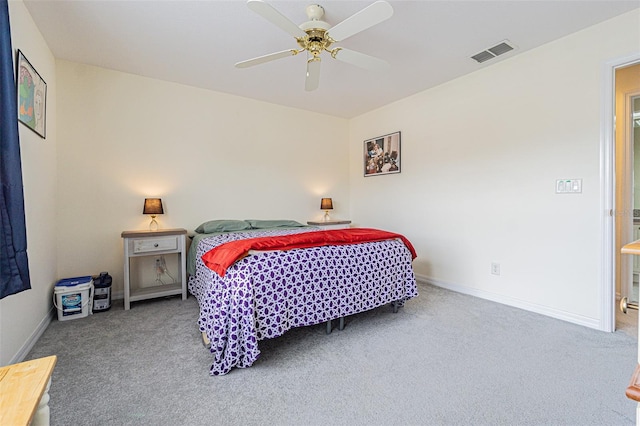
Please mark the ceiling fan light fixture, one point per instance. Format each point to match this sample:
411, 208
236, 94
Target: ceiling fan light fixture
314, 37
315, 41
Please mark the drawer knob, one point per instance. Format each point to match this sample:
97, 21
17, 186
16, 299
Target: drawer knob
155, 245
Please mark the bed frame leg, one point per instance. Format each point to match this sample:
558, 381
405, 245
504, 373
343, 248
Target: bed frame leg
205, 340
341, 323
329, 327
394, 305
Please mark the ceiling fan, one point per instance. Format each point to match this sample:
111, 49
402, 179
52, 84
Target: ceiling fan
316, 36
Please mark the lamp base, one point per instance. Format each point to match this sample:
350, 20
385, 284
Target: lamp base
326, 216
153, 226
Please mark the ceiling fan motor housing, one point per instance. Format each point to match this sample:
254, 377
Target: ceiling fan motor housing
316, 39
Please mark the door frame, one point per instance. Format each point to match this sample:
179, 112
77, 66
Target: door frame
607, 186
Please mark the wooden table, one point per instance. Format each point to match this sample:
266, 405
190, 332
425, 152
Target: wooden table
631, 248
24, 392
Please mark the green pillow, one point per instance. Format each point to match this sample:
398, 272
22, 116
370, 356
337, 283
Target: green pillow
264, 224
222, 226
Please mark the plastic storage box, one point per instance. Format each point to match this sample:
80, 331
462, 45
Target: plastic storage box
73, 297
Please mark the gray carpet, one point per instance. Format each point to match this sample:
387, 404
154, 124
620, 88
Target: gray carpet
443, 359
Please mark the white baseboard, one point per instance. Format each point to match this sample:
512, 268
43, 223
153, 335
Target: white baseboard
31, 341
517, 303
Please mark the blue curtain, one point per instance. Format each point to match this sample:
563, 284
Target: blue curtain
14, 264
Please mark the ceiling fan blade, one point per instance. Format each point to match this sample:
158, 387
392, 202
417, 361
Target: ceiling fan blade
278, 19
313, 75
360, 59
266, 58
366, 18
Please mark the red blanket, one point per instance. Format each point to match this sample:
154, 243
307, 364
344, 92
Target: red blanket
225, 255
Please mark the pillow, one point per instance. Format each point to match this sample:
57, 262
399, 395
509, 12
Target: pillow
222, 226
264, 224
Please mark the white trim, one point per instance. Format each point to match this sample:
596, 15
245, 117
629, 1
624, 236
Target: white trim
31, 341
607, 190
607, 185
511, 301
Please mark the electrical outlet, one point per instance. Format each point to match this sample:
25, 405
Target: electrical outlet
159, 267
495, 268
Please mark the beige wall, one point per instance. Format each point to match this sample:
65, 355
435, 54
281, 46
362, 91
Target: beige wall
208, 155
24, 316
480, 157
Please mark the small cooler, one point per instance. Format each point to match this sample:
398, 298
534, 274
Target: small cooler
102, 292
73, 297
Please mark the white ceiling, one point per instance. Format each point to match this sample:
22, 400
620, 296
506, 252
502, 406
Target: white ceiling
197, 43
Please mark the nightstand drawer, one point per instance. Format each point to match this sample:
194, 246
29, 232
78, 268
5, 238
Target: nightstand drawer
147, 245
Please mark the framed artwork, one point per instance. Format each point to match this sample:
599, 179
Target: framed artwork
32, 96
382, 155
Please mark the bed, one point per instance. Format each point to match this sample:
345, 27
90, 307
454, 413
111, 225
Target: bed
269, 291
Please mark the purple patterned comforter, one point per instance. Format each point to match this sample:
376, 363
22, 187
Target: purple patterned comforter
266, 293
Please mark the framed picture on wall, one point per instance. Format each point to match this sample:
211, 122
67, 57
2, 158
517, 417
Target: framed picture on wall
382, 155
32, 96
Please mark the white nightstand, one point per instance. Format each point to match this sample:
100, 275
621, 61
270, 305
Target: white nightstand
154, 243
331, 224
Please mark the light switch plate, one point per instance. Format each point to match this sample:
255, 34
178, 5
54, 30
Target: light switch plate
568, 186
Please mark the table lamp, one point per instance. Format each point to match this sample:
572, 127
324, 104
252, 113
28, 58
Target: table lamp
153, 206
326, 204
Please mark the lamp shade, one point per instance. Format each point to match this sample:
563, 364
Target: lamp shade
152, 206
326, 204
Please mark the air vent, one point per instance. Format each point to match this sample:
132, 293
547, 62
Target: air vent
492, 52
500, 49
483, 56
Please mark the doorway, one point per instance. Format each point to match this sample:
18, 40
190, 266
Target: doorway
627, 191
